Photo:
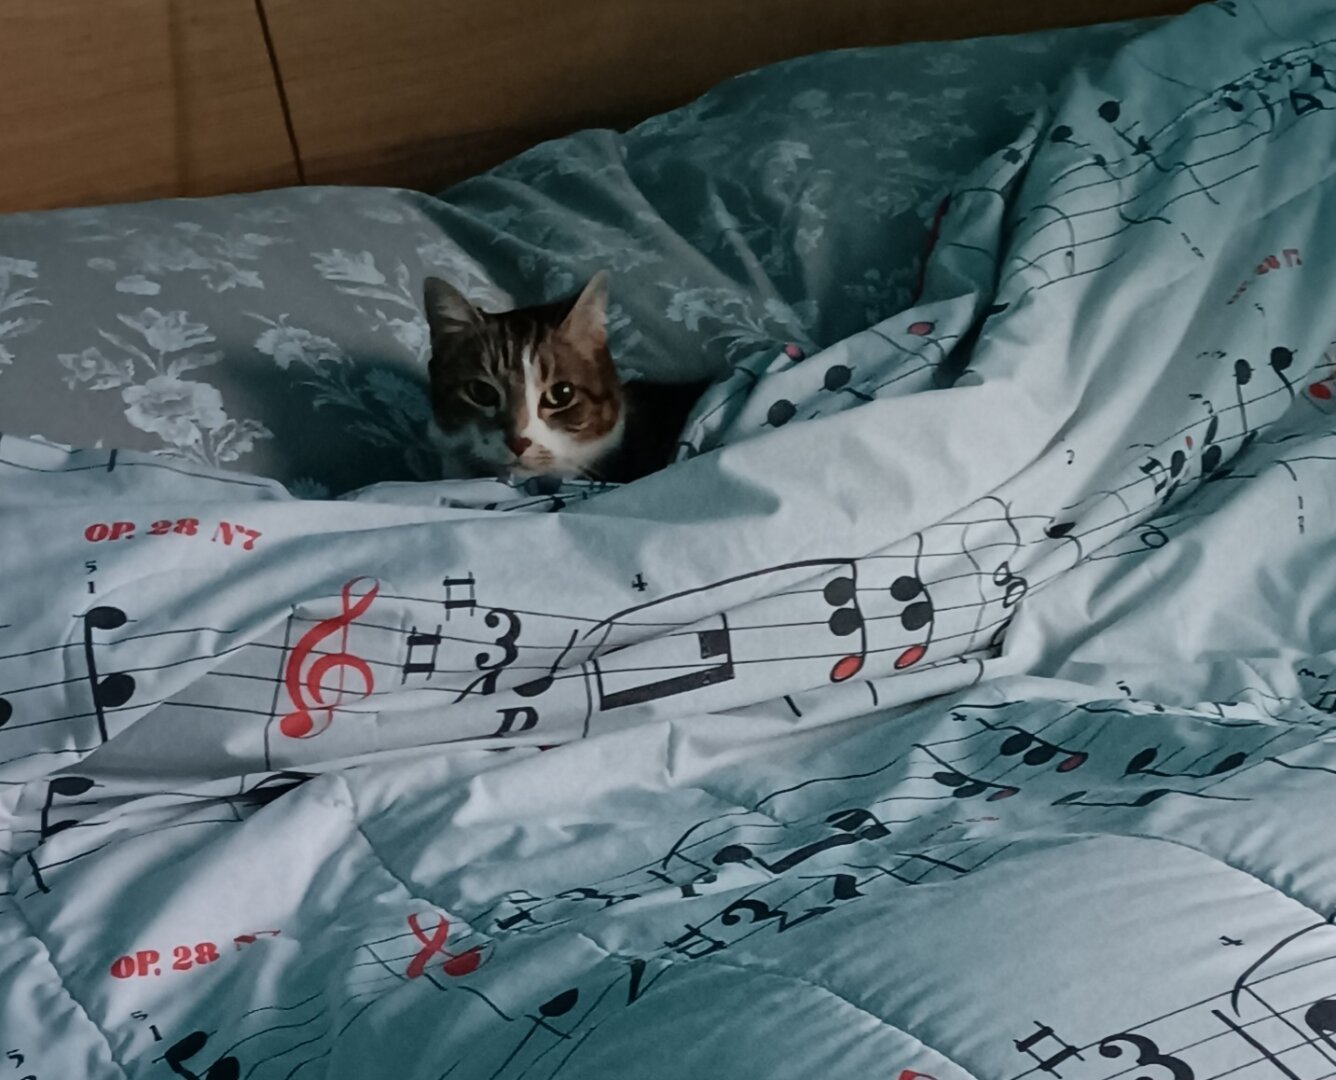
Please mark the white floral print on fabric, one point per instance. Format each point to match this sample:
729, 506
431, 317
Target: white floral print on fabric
145, 259
13, 296
739, 327
186, 414
389, 412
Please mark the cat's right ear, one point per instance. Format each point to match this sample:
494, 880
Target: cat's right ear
448, 310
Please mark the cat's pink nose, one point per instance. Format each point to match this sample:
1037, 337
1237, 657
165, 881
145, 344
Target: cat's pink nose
518, 444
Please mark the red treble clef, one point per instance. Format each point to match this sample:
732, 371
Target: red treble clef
304, 688
455, 964
430, 946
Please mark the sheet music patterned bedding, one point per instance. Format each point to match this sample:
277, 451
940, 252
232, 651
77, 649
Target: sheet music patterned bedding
966, 713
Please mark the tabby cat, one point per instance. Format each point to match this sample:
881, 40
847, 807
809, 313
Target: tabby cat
533, 392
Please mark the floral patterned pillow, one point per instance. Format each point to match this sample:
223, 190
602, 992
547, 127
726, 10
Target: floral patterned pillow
280, 333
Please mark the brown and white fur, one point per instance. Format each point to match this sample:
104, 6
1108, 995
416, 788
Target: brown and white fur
534, 392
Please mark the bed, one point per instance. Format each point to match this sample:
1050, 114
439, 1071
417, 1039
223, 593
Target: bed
955, 706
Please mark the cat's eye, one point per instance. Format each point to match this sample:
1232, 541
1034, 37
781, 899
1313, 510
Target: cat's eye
559, 395
482, 393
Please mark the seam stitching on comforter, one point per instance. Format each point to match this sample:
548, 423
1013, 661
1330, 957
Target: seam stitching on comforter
22, 917
789, 976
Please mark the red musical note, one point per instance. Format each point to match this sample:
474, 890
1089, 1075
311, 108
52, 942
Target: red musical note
455, 964
910, 657
463, 963
846, 668
309, 694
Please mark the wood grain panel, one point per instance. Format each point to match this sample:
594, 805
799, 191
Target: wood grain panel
109, 100
423, 92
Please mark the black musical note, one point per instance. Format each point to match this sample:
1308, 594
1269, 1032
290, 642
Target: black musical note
841, 593
420, 640
1176, 462
1249, 437
780, 413
1321, 1020
67, 787
1038, 751
1281, 361
225, 1068
917, 615
549, 1010
963, 786
543, 683
1048, 1064
1242, 377
1061, 133
1211, 453
1013, 586
110, 691
1153, 537
451, 604
1140, 764
854, 824
714, 644
837, 378
844, 887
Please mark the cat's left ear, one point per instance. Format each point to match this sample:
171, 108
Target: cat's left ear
448, 310
586, 324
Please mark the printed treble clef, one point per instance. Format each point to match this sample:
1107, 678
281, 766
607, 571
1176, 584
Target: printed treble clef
304, 683
455, 964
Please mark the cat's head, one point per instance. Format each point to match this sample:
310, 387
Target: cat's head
527, 392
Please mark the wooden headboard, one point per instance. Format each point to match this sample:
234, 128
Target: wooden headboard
111, 100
